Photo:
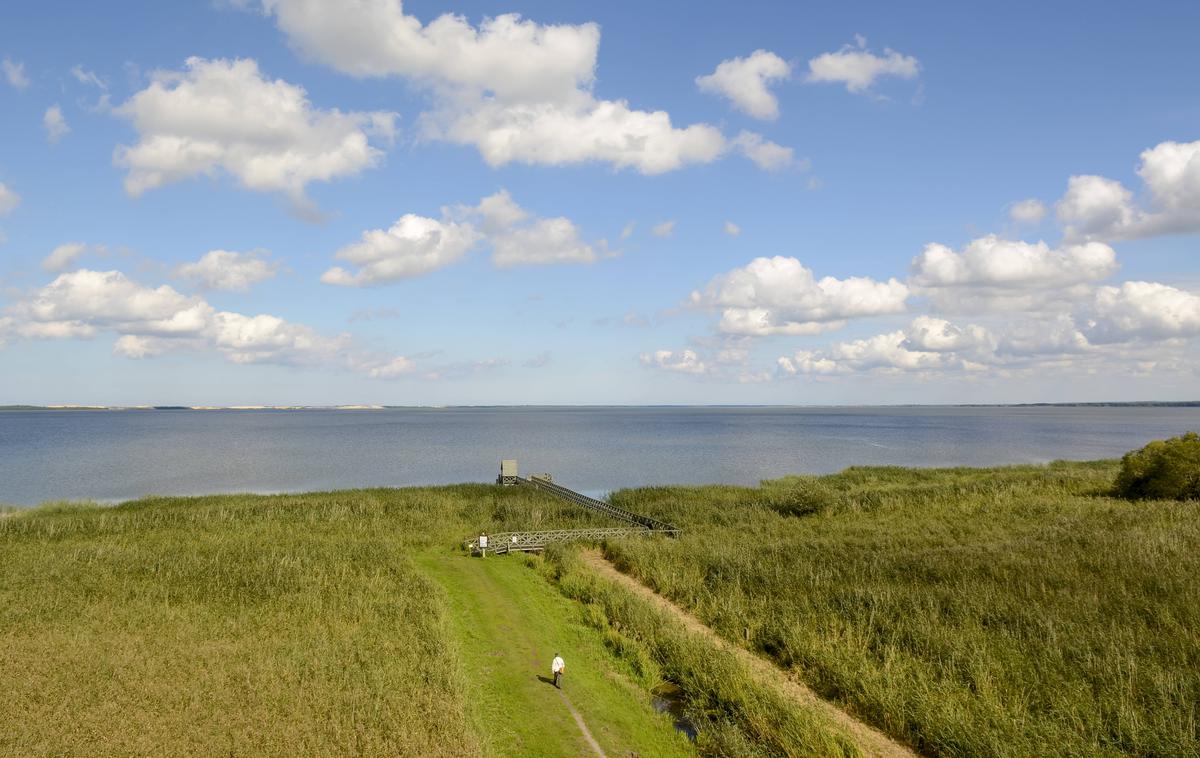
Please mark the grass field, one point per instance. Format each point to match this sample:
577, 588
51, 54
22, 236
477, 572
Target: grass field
1015, 611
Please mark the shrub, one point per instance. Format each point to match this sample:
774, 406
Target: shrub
1162, 470
800, 496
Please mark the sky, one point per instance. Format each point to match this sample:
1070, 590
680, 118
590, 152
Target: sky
368, 202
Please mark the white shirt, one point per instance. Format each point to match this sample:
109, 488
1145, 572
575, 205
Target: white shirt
557, 665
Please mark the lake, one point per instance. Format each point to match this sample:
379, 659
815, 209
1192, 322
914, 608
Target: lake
118, 455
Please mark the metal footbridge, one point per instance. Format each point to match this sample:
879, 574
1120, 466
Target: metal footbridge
637, 525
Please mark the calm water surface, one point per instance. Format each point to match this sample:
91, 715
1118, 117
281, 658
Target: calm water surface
117, 455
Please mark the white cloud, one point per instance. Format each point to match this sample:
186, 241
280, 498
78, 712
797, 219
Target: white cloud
1095, 207
884, 352
995, 273
993, 262
1029, 211
152, 320
391, 369
765, 154
9, 200
55, 124
858, 68
228, 270
83, 76
416, 245
628, 230
931, 334
732, 229
549, 240
1142, 311
552, 133
781, 296
1120, 328
683, 361
14, 73
745, 82
516, 90
64, 256
223, 116
663, 229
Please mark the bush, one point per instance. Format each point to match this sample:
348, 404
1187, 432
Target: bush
1162, 470
800, 496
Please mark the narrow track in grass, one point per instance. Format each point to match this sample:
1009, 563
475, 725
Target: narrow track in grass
868, 739
508, 623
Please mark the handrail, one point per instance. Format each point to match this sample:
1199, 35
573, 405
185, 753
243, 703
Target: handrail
504, 542
597, 505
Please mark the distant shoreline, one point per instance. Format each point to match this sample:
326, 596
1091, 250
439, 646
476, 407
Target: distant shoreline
1097, 404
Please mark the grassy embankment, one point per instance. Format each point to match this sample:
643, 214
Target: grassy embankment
1013, 611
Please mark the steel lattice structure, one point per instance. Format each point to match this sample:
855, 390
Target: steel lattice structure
506, 542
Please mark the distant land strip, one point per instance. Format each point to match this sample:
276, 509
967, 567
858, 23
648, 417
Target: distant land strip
1096, 404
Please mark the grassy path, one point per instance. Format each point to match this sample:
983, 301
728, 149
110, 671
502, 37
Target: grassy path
870, 740
508, 624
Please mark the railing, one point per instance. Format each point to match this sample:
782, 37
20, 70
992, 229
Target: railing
505, 542
598, 505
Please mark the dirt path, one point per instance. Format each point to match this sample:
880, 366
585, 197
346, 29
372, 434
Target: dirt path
587, 733
870, 740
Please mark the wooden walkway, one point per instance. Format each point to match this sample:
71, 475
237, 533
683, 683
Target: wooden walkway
639, 526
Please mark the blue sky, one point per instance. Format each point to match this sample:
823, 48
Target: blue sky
238, 203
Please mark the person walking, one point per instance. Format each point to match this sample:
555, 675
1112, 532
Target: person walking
557, 667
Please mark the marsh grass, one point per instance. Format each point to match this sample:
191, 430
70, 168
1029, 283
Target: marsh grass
736, 714
1011, 611
282, 625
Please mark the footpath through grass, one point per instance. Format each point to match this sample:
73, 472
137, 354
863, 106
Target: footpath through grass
508, 623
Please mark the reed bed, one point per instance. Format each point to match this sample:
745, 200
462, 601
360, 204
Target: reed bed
998, 612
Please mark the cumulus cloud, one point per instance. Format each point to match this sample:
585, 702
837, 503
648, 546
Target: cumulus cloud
14, 73
1145, 311
1029, 211
55, 124
152, 320
9, 200
64, 256
685, 361
884, 352
858, 68
765, 154
746, 82
991, 272
417, 245
1096, 207
1117, 328
516, 90
222, 116
732, 229
412, 246
228, 270
781, 296
663, 229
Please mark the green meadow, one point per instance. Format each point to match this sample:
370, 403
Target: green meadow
1006, 612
